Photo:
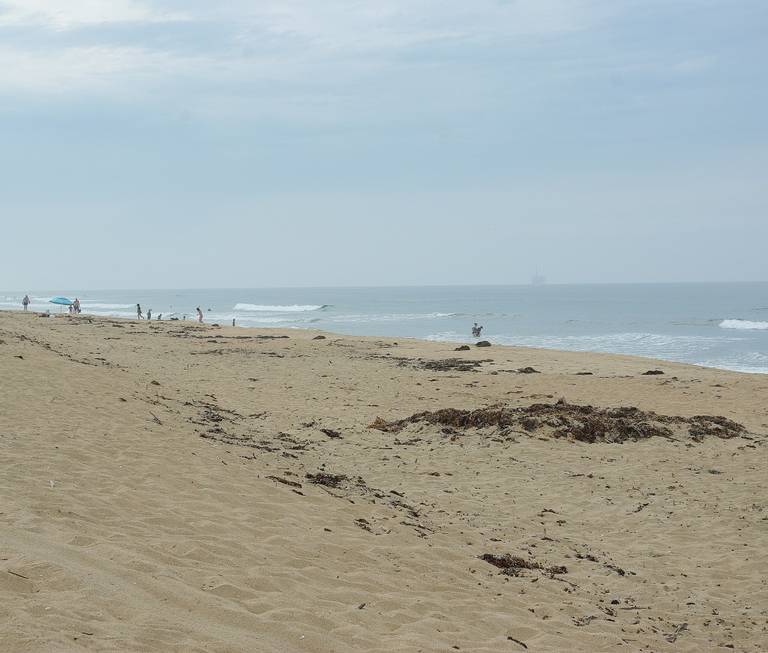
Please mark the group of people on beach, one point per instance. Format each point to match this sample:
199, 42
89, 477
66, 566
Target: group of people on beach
74, 307
476, 330
140, 314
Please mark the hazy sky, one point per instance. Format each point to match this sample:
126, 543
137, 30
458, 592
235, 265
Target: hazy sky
182, 143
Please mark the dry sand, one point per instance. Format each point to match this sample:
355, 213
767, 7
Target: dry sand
154, 497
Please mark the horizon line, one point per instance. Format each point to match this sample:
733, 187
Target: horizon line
426, 285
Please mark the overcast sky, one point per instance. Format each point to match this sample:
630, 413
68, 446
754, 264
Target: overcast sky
190, 143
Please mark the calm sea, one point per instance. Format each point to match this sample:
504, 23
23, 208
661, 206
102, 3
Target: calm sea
717, 325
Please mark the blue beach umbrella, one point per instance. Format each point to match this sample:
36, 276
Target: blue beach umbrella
61, 301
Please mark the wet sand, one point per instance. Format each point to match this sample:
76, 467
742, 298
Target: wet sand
172, 487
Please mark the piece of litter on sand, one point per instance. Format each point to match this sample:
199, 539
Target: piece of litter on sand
517, 641
672, 637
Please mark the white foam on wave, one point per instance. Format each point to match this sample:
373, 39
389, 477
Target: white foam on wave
394, 317
650, 345
243, 320
87, 306
293, 308
752, 363
748, 325
638, 344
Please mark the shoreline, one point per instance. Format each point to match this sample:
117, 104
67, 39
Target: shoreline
467, 341
180, 487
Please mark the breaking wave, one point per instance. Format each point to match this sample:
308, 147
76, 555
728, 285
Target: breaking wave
86, 306
744, 325
294, 308
651, 345
391, 317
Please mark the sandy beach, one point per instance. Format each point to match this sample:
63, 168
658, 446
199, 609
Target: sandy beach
173, 487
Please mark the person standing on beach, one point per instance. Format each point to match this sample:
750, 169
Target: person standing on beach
199, 315
149, 313
139, 314
76, 305
25, 302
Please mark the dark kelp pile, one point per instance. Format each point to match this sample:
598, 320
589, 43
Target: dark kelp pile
512, 565
581, 423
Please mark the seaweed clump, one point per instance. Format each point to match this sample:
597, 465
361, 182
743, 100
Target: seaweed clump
328, 480
576, 422
512, 565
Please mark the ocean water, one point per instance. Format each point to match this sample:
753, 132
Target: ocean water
715, 325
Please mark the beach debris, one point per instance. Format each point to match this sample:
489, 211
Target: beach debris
284, 481
13, 573
577, 422
483, 343
607, 565
512, 565
331, 433
721, 427
517, 641
444, 365
364, 524
326, 479
653, 373
527, 370
463, 348
452, 365
584, 373
679, 629
584, 621
319, 338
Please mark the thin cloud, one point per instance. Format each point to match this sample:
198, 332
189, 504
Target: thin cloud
93, 68
289, 40
72, 14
